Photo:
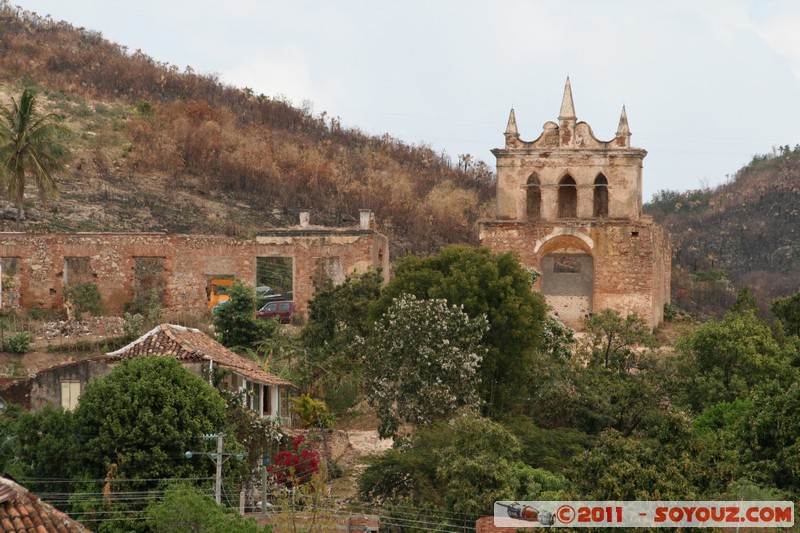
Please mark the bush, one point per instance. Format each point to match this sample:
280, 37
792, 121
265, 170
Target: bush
85, 297
133, 325
19, 343
146, 303
670, 312
313, 413
335, 470
38, 313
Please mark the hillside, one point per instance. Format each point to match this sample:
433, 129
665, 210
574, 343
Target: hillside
745, 231
163, 149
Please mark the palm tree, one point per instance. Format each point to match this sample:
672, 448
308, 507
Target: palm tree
29, 142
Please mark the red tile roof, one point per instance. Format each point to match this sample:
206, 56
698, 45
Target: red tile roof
23, 511
189, 344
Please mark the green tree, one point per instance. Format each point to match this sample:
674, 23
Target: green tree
421, 362
723, 360
463, 465
30, 143
140, 419
787, 310
236, 323
745, 301
486, 284
336, 316
620, 468
617, 381
185, 509
614, 341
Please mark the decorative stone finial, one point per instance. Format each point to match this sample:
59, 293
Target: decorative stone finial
623, 129
511, 128
567, 107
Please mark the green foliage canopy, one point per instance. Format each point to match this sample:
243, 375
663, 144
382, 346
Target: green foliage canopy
185, 509
140, 419
486, 284
463, 465
787, 310
336, 316
723, 360
236, 323
421, 362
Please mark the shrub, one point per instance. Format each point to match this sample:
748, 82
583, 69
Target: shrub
296, 466
85, 297
19, 343
133, 325
313, 413
670, 312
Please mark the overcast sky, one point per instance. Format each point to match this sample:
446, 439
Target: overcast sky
707, 84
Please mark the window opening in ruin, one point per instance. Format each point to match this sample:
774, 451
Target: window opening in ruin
534, 197
601, 196
275, 278
9, 282
148, 285
328, 270
567, 198
77, 270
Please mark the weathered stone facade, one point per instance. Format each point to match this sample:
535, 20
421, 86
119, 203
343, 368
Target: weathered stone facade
570, 206
44, 264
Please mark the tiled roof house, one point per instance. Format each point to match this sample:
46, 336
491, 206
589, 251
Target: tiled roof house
267, 394
23, 511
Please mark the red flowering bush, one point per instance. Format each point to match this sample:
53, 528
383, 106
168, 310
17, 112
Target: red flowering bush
295, 467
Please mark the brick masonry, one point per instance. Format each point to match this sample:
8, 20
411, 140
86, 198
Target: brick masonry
189, 262
570, 206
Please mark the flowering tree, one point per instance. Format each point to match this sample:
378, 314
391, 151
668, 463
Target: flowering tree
297, 466
422, 362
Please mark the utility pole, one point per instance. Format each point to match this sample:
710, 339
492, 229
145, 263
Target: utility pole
220, 458
218, 486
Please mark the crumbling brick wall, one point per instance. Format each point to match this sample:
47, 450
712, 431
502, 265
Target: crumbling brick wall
631, 260
188, 261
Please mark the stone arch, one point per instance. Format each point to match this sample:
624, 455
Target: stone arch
533, 197
567, 267
600, 196
567, 197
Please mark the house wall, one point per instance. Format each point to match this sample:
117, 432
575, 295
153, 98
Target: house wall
188, 260
45, 387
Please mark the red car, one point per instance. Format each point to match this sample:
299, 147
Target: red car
283, 310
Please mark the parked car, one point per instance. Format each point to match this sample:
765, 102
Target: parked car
219, 306
281, 309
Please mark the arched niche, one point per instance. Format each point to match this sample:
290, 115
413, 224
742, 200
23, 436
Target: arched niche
600, 196
567, 198
567, 282
533, 198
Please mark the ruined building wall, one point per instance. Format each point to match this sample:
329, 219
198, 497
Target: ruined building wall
570, 206
183, 264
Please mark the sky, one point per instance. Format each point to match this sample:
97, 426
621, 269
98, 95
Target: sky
706, 84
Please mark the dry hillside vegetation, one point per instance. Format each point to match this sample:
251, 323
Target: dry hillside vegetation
743, 233
164, 149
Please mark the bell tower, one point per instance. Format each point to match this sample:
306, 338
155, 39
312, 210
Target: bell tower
571, 206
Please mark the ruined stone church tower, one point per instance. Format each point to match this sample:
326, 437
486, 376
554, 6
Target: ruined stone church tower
571, 206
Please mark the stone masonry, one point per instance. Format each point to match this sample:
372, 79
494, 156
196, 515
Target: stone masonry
45, 263
570, 206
